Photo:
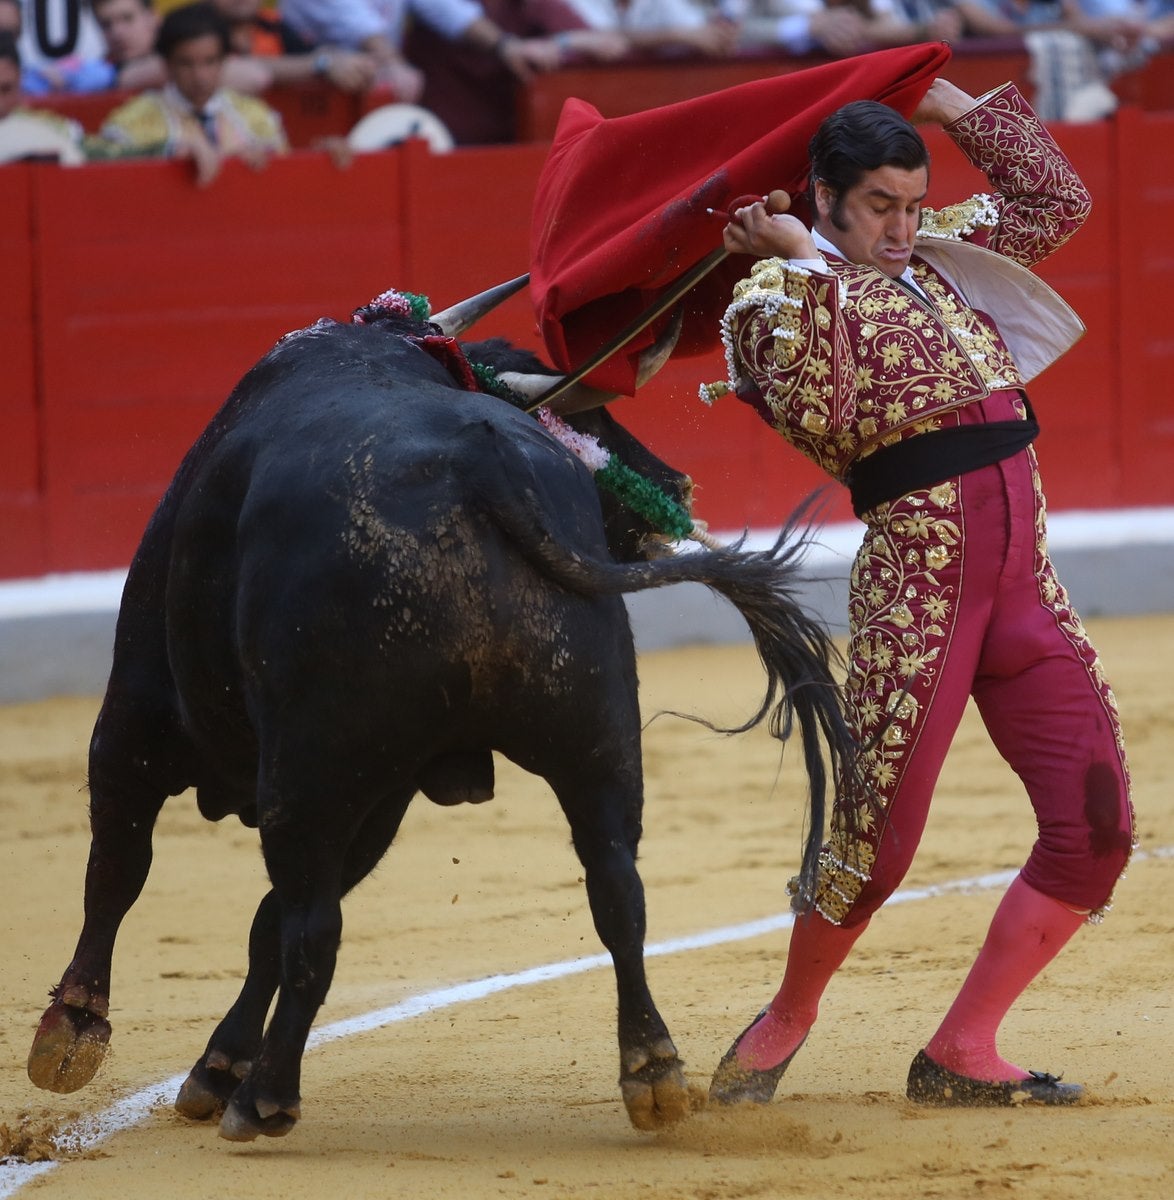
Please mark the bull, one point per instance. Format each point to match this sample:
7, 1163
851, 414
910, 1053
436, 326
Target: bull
367, 576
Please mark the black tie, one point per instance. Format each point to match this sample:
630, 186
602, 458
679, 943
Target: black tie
913, 290
208, 121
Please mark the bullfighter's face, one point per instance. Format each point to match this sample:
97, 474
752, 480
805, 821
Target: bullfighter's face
874, 222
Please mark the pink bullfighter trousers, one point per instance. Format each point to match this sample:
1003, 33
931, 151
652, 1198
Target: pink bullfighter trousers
953, 595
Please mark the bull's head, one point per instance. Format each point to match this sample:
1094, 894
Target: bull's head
531, 385
645, 502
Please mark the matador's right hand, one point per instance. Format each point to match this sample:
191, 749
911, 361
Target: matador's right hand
765, 229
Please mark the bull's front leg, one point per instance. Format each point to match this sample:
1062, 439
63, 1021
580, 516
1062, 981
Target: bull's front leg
71, 1040
605, 828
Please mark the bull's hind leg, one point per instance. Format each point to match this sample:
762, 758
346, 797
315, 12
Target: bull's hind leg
229, 1053
251, 1074
604, 816
133, 769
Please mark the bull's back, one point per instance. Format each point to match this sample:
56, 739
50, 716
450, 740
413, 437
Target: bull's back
343, 543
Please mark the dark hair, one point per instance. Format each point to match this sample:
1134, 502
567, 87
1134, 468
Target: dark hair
188, 22
860, 137
9, 49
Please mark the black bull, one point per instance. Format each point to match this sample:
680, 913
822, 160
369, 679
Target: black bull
362, 582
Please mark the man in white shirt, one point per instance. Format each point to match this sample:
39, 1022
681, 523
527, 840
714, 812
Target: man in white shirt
377, 26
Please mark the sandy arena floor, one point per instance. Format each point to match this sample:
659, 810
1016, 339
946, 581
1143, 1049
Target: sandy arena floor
514, 1094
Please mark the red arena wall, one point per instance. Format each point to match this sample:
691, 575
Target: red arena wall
133, 302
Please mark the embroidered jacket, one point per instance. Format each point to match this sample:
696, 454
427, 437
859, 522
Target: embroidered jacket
846, 361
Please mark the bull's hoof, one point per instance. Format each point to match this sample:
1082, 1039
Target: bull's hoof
209, 1086
244, 1122
653, 1087
68, 1048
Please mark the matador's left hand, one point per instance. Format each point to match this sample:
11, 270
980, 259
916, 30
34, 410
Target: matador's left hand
942, 104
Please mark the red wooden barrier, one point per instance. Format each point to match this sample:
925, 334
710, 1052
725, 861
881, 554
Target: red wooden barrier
157, 296
22, 536
1079, 400
134, 301
1143, 440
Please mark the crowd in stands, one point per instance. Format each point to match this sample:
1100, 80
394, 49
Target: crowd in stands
199, 71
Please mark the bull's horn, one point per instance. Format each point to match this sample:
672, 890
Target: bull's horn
652, 359
466, 313
580, 396
532, 388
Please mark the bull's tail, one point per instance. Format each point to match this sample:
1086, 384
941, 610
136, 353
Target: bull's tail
795, 648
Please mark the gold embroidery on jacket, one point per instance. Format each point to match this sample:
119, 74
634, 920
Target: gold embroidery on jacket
842, 383
958, 221
974, 331
1044, 200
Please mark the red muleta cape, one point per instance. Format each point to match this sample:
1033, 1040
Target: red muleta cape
619, 208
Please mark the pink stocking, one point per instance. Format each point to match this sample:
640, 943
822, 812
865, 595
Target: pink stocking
816, 951
1028, 930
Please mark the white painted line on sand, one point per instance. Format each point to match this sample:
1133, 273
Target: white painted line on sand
89, 1131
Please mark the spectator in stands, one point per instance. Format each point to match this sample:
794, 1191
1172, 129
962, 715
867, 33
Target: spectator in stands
11, 92
1102, 21
1160, 23
34, 80
129, 29
11, 18
473, 92
1125, 31
378, 26
193, 115
664, 25
264, 43
1063, 42
841, 28
933, 20
264, 50
26, 132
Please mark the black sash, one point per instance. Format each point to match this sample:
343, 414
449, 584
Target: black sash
929, 458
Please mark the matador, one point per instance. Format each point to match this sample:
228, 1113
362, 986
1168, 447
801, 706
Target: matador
892, 344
